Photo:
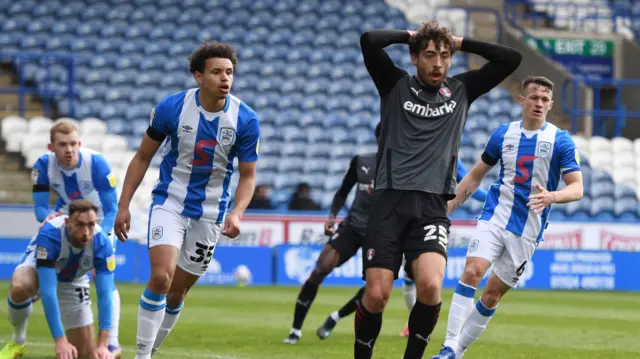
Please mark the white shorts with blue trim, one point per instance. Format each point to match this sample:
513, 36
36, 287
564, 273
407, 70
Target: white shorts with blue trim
509, 253
195, 239
74, 298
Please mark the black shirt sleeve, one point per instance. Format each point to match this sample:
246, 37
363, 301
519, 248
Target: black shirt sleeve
40, 188
348, 182
503, 61
383, 71
155, 134
486, 158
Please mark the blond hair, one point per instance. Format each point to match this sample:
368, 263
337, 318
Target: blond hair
64, 127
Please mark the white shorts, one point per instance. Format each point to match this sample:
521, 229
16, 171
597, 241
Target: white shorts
195, 239
508, 252
74, 298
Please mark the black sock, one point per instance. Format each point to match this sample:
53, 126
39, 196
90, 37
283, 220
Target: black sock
422, 321
303, 303
351, 305
367, 328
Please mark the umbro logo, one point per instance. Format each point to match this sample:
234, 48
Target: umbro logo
187, 129
509, 147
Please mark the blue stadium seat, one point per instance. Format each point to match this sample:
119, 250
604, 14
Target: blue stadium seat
603, 209
626, 209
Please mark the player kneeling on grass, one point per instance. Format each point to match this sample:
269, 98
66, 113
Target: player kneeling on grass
533, 155
62, 253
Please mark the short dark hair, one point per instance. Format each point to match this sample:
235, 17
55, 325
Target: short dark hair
378, 130
210, 50
431, 31
538, 80
81, 206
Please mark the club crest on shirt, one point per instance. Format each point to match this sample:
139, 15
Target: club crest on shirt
86, 262
227, 136
41, 253
111, 263
544, 149
86, 185
445, 91
34, 175
156, 232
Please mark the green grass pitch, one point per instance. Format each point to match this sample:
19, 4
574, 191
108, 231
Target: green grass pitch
250, 323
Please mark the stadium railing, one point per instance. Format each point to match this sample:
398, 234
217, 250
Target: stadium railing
42, 89
574, 15
619, 112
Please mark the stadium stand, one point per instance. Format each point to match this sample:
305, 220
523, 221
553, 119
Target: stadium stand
316, 102
598, 16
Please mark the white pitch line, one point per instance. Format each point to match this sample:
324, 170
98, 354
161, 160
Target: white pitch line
161, 352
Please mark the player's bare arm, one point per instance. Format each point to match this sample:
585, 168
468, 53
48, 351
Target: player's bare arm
244, 193
135, 173
572, 192
469, 184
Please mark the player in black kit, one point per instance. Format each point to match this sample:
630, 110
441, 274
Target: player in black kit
345, 242
422, 121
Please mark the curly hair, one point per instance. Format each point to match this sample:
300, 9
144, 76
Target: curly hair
431, 31
206, 51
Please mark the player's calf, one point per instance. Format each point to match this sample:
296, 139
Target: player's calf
327, 261
24, 286
180, 286
428, 273
368, 319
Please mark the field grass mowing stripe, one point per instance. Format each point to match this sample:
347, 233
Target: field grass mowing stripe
173, 353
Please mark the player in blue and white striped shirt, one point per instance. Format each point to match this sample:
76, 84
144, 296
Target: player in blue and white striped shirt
206, 129
533, 155
74, 173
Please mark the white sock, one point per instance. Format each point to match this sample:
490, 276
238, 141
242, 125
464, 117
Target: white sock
150, 317
171, 316
409, 293
461, 306
476, 324
335, 316
19, 317
115, 319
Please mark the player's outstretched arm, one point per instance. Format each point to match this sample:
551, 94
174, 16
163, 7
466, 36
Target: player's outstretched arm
135, 173
40, 188
244, 193
104, 290
384, 73
469, 184
105, 183
349, 180
503, 61
480, 194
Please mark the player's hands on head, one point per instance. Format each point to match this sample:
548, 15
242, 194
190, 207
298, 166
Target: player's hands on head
65, 350
231, 225
541, 200
101, 352
122, 224
328, 226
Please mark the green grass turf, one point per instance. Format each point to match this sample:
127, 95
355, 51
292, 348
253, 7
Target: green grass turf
251, 322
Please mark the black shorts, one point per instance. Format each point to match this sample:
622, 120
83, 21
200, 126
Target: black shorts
405, 223
346, 241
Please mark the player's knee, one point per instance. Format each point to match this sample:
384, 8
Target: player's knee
160, 281
429, 290
472, 274
21, 290
376, 298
